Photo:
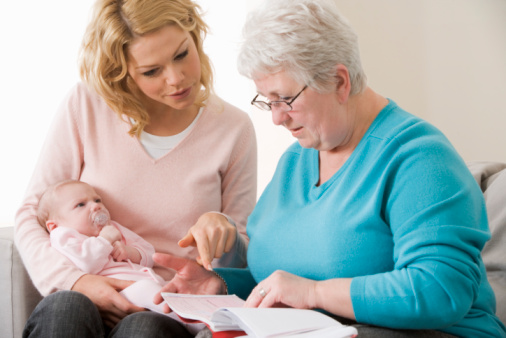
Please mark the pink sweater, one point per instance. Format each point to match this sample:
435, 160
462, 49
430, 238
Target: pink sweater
93, 254
212, 169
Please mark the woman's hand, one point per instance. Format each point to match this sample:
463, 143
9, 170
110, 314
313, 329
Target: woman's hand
213, 235
190, 277
103, 292
283, 289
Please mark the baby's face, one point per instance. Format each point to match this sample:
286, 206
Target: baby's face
77, 206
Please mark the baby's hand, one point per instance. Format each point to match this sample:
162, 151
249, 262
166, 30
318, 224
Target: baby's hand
119, 252
110, 233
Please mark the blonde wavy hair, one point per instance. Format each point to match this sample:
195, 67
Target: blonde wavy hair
103, 55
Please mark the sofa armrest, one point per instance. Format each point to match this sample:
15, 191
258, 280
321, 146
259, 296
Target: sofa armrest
19, 296
491, 176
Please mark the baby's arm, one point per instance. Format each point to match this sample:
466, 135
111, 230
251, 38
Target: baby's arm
110, 233
89, 254
120, 251
145, 248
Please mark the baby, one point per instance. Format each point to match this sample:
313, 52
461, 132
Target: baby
80, 228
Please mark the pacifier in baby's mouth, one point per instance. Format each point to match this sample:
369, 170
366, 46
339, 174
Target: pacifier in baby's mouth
100, 218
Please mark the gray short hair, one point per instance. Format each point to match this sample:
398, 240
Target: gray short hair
305, 38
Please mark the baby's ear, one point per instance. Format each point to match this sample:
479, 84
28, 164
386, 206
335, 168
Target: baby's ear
51, 225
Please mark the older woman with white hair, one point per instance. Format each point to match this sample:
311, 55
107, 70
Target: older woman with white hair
372, 216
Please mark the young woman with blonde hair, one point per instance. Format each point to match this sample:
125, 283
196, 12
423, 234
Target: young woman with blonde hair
174, 163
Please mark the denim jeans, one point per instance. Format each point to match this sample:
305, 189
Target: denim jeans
71, 314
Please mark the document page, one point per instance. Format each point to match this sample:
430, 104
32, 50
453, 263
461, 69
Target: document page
289, 322
200, 307
225, 313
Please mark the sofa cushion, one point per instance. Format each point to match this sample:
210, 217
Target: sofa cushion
18, 297
491, 176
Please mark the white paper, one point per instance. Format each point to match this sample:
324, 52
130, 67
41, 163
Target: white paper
142, 292
223, 313
202, 307
281, 322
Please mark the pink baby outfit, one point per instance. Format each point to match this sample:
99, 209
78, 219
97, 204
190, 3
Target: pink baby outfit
92, 255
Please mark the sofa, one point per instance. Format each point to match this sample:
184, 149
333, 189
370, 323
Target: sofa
19, 297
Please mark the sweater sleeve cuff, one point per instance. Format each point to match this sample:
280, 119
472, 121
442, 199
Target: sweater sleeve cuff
236, 257
72, 279
230, 220
239, 282
358, 299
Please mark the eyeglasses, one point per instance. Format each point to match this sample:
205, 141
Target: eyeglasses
281, 106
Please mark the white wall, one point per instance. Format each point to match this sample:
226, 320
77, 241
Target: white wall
40, 42
38, 57
442, 60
